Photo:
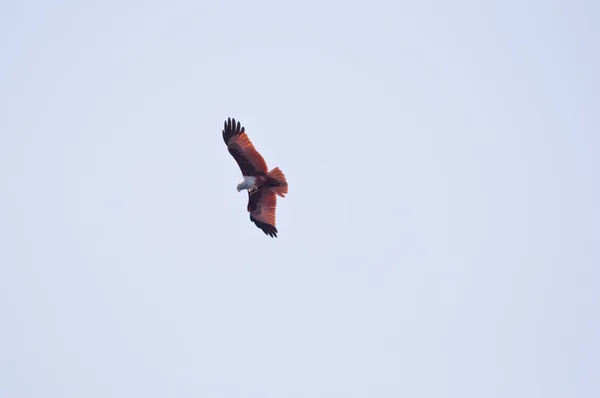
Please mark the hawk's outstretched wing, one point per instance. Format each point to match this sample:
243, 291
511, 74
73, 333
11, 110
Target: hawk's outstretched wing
261, 205
240, 147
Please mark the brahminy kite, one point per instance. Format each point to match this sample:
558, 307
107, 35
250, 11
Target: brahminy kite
262, 184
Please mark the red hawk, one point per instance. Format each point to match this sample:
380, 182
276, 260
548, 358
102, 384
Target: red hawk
262, 184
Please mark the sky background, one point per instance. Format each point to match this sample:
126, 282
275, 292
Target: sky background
441, 235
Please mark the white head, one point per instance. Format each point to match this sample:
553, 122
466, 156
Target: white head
247, 183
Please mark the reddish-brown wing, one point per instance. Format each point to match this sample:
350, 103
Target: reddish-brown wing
240, 147
261, 206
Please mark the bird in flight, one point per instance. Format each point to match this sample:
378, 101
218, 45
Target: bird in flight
262, 185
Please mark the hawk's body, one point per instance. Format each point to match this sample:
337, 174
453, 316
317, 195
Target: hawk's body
262, 185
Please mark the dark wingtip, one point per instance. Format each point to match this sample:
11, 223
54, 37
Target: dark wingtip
268, 229
231, 128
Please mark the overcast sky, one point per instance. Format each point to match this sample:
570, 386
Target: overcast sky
441, 234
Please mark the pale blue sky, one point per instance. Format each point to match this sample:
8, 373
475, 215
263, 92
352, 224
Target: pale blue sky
440, 237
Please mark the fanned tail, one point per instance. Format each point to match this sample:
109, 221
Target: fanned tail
277, 182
